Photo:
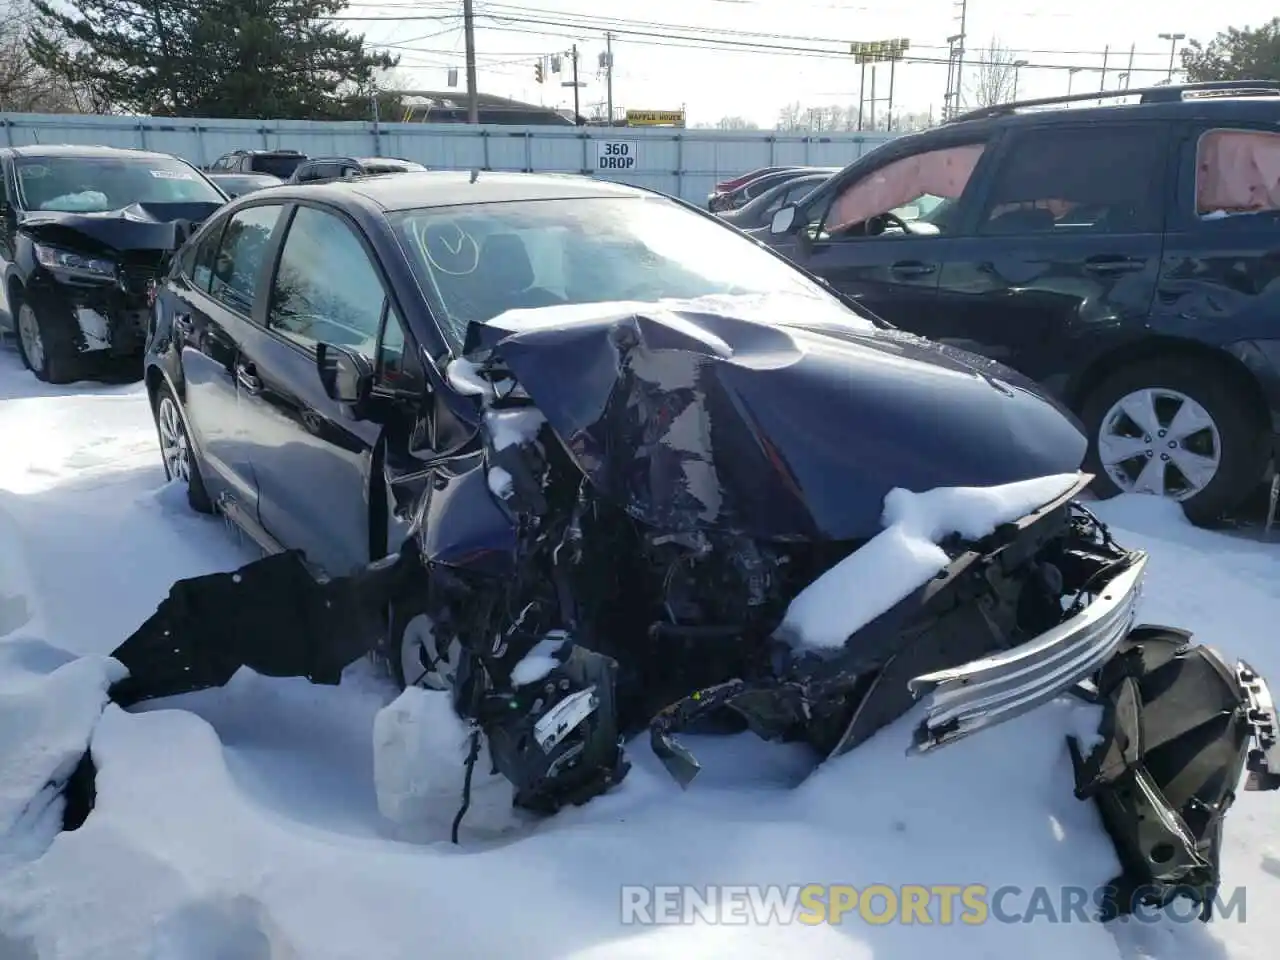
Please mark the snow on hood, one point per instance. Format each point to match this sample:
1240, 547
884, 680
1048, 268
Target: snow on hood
905, 555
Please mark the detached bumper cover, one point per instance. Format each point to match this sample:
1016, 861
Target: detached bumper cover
981, 694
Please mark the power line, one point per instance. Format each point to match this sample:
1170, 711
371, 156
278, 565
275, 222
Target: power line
514, 13
665, 40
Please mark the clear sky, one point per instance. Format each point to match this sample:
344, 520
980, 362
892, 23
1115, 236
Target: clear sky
712, 56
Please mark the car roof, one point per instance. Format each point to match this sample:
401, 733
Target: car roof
443, 188
53, 150
1215, 102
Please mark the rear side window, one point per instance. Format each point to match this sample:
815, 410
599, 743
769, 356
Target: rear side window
1075, 179
1237, 172
241, 254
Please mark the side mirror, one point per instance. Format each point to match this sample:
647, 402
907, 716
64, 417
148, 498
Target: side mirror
347, 377
783, 220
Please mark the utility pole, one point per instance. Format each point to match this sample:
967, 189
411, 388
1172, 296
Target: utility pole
608, 75
1102, 84
469, 34
964, 9
576, 116
1017, 65
862, 95
1128, 71
1173, 39
1071, 76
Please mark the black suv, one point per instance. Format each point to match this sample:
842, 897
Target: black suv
323, 169
277, 163
1125, 256
84, 233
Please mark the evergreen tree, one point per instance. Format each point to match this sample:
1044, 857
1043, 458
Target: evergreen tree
269, 59
1248, 54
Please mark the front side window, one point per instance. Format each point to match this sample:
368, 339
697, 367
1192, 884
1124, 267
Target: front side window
901, 190
91, 184
326, 289
1237, 172
477, 261
1095, 179
242, 252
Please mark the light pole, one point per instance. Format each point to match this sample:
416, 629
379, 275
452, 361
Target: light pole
1173, 39
1071, 76
1017, 65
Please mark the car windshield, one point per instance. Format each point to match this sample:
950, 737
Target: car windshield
93, 184
477, 261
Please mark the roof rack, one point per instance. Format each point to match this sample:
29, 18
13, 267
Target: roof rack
1162, 94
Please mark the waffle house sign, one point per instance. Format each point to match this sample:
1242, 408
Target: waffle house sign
655, 118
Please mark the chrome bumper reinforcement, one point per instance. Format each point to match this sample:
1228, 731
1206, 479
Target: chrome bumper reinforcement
1264, 730
986, 692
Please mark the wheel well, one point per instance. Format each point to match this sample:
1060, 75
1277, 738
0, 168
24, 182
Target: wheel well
153, 379
1235, 373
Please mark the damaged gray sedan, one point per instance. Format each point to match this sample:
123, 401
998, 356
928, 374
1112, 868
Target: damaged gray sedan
86, 233
697, 493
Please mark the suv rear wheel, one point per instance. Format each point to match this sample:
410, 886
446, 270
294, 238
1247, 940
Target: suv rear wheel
1178, 429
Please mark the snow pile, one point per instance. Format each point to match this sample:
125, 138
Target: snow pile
50, 702
905, 555
248, 822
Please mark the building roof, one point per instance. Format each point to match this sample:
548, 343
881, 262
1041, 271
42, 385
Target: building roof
501, 109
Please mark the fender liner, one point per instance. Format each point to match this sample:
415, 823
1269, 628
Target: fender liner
1178, 730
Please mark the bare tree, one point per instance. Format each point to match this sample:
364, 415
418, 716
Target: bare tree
995, 80
24, 87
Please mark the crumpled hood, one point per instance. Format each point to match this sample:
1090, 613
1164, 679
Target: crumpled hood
150, 226
780, 417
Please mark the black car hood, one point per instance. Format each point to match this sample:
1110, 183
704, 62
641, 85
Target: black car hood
780, 417
149, 226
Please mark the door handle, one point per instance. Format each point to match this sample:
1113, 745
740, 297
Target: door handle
913, 268
1114, 264
248, 378
182, 323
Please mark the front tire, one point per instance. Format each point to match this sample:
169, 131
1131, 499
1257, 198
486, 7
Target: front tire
176, 451
47, 349
1175, 428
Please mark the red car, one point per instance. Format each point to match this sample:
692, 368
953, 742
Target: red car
728, 186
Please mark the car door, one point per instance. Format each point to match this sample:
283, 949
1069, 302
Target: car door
1065, 248
8, 225
313, 463
1222, 240
211, 308
855, 237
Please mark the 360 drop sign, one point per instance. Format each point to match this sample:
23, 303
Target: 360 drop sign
616, 154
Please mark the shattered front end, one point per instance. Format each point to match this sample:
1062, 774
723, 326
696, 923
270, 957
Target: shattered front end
625, 542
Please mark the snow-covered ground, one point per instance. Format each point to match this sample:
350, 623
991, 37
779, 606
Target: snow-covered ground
243, 822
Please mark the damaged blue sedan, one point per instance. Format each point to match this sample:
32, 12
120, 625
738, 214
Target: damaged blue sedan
595, 466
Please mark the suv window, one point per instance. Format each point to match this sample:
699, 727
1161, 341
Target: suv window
241, 253
326, 289
1075, 179
1237, 172
902, 189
